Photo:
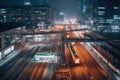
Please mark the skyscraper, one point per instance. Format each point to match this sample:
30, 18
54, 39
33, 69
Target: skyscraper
107, 15
85, 11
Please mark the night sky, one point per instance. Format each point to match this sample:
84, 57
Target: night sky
68, 7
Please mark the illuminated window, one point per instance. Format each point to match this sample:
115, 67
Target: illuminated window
115, 27
2, 10
116, 7
39, 17
101, 12
116, 17
109, 20
101, 7
43, 13
100, 26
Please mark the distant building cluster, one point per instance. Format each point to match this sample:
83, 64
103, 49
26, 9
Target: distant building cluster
32, 16
105, 14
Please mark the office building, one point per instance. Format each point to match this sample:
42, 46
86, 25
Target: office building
107, 15
32, 16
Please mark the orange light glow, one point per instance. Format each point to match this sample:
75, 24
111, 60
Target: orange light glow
73, 43
68, 36
76, 61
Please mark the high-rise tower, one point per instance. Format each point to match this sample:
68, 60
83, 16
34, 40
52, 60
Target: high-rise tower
85, 11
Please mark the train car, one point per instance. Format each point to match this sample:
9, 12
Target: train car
74, 55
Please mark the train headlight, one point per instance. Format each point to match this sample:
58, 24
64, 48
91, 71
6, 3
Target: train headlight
77, 61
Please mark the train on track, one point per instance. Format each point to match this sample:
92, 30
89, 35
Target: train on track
74, 55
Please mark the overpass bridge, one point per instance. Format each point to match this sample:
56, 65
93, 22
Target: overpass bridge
47, 32
66, 40
89, 40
